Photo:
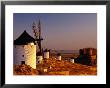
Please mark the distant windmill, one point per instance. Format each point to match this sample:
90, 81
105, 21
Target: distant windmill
37, 34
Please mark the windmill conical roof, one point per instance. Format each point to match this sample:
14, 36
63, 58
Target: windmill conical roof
24, 39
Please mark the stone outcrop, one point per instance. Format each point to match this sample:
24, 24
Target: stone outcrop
24, 70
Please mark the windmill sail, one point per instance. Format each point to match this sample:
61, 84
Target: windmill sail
37, 34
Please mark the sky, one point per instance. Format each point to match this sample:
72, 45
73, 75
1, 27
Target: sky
60, 31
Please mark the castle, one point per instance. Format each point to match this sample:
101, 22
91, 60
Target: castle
88, 56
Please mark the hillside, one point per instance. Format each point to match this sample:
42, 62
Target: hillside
52, 66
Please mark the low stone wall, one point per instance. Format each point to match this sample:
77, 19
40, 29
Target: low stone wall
59, 73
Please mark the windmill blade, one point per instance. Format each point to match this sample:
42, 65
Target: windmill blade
35, 30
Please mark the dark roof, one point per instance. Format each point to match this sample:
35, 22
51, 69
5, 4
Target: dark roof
24, 39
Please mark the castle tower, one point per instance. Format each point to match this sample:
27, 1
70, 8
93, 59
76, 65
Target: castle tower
91, 51
25, 50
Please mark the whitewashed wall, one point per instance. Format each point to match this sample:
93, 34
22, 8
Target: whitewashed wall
39, 59
72, 60
29, 52
46, 55
59, 57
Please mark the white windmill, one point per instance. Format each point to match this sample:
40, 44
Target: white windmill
25, 50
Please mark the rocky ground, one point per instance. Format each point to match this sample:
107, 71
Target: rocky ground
24, 70
52, 66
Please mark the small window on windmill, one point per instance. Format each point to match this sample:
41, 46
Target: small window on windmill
23, 46
22, 62
15, 46
22, 55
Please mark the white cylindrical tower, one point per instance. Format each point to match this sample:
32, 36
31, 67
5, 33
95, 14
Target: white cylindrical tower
46, 54
39, 59
72, 60
25, 50
58, 56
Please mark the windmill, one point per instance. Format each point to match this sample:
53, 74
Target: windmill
37, 34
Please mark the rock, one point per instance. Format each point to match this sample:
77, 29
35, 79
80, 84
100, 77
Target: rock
24, 70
